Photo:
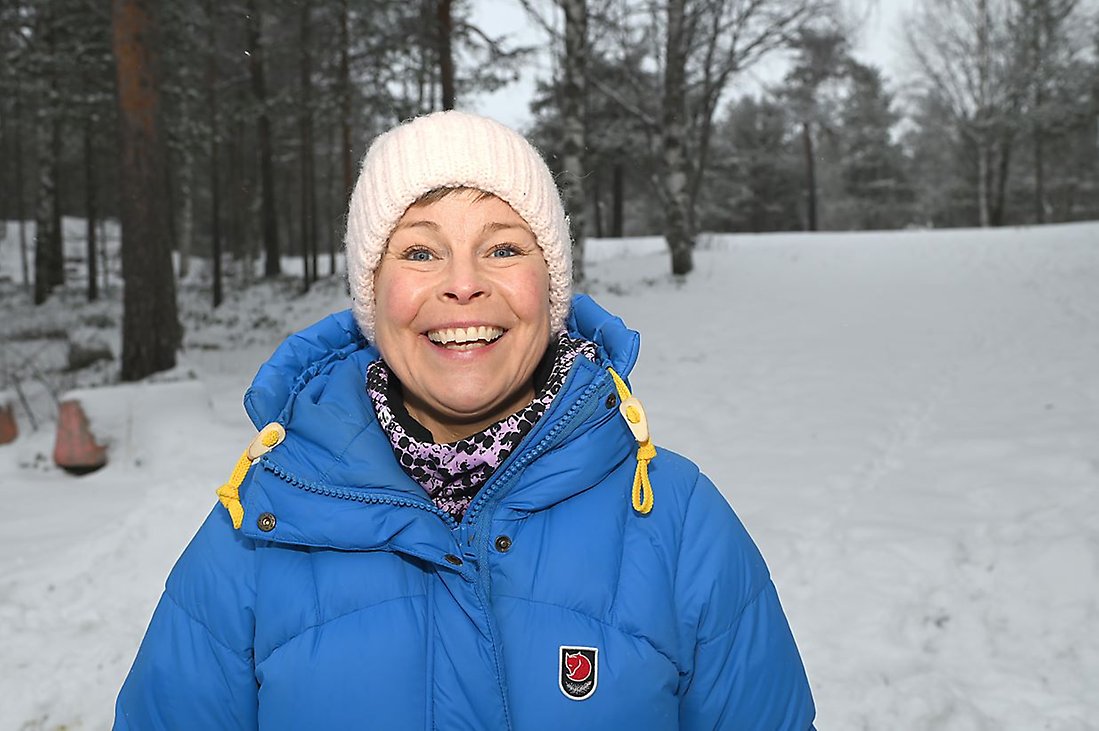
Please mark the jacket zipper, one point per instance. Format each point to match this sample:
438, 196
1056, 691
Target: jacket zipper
583, 402
361, 497
465, 535
579, 409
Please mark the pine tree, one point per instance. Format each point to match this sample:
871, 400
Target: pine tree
820, 57
761, 177
49, 260
872, 165
272, 263
151, 332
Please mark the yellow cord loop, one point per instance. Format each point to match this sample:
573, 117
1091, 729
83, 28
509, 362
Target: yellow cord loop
268, 438
634, 414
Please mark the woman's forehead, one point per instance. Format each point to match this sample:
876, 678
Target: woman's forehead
437, 211
437, 194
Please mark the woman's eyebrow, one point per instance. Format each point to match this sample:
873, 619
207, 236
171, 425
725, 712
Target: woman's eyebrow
417, 224
494, 226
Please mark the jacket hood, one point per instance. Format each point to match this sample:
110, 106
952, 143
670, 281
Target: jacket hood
306, 354
336, 461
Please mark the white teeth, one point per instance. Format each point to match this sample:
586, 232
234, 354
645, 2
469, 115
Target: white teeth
465, 336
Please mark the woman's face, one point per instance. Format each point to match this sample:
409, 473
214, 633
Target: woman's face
462, 312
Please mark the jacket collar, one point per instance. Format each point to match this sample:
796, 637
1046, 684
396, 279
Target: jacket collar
334, 480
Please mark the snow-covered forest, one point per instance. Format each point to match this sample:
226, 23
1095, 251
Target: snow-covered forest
652, 113
868, 302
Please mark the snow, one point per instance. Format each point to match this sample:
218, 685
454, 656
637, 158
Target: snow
905, 421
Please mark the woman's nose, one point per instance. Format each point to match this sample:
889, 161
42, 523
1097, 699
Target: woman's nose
464, 280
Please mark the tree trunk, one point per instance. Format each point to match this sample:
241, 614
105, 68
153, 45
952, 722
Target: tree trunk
330, 199
20, 195
185, 240
345, 105
47, 258
999, 204
810, 177
272, 266
427, 43
445, 28
1039, 177
674, 128
573, 114
1039, 131
151, 331
215, 184
187, 205
7, 149
58, 238
983, 172
597, 203
49, 261
288, 219
308, 169
755, 205
618, 195
240, 240
49, 255
984, 110
104, 261
90, 212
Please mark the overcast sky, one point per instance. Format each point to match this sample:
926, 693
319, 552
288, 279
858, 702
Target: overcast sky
880, 41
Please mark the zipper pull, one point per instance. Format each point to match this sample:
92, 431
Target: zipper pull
466, 538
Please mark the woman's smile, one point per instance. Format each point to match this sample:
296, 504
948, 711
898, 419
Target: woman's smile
465, 338
462, 311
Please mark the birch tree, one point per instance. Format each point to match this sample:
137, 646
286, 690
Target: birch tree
965, 53
699, 46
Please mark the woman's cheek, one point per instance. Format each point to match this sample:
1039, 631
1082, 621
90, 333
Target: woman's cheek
528, 291
398, 296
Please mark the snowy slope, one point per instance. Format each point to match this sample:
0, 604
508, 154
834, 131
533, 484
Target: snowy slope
908, 423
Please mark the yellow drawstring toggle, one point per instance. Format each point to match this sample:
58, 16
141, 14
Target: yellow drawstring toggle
269, 437
634, 414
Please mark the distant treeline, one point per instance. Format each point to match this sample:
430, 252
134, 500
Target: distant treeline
265, 107
1000, 126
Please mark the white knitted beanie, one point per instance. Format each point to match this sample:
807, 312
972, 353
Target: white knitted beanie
452, 150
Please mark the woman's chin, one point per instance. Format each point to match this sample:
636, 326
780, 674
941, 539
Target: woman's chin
459, 414
461, 411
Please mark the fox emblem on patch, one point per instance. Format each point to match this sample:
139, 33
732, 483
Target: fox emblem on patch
578, 672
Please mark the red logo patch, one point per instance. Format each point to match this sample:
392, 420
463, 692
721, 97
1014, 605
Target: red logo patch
578, 672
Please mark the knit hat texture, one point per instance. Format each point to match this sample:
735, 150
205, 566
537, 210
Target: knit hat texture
452, 149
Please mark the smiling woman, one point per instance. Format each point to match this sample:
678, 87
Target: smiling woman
462, 311
454, 516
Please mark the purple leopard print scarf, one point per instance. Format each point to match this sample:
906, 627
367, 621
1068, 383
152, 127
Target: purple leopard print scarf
453, 473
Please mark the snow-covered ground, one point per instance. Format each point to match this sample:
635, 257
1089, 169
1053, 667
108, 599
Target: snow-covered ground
907, 422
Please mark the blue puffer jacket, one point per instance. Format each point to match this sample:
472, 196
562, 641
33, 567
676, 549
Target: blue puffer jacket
365, 607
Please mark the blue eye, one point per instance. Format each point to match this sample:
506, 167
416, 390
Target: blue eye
418, 254
504, 251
